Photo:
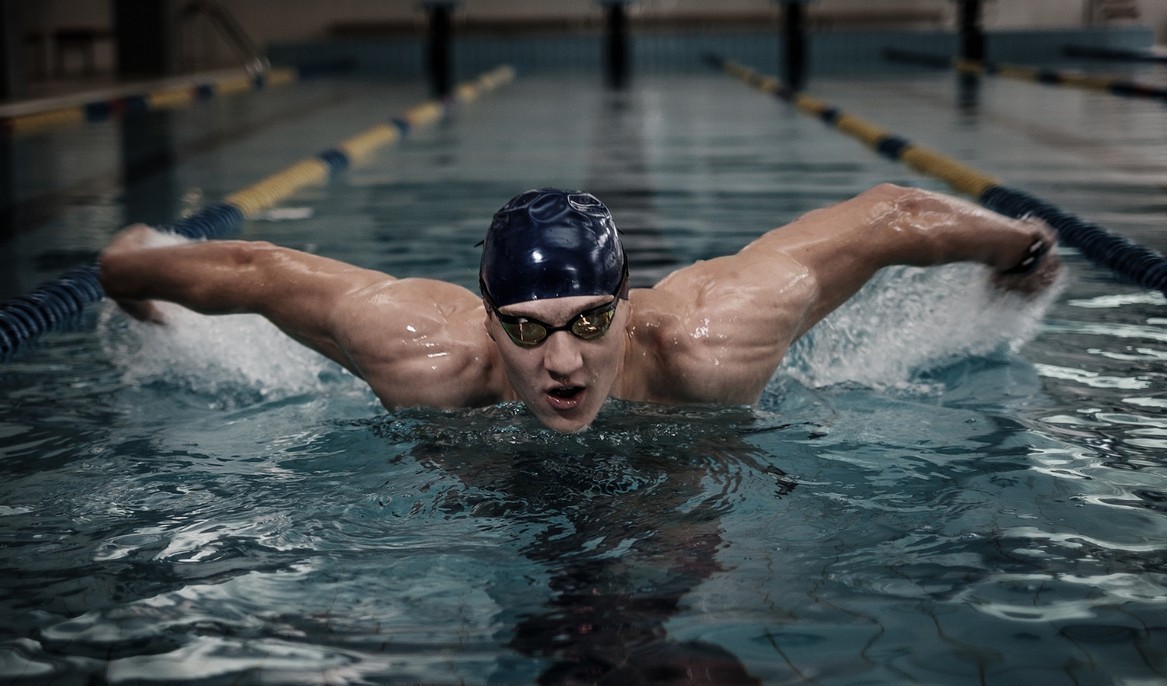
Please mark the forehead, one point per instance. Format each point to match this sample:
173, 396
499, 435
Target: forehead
553, 310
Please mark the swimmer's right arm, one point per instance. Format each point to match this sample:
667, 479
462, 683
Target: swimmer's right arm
414, 341
126, 241
297, 291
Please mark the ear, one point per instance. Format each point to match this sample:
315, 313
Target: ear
486, 321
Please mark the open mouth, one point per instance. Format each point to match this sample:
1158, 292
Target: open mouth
565, 392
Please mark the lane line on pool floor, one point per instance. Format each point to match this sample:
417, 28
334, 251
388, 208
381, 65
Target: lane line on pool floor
55, 303
1128, 260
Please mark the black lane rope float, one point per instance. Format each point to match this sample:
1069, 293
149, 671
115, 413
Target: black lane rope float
1135, 263
1049, 77
1113, 54
56, 303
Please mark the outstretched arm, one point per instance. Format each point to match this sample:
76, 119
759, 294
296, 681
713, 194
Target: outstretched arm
414, 341
721, 327
297, 291
843, 246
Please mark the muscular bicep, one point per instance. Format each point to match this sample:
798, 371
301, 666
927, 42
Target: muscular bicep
224, 277
299, 292
414, 341
728, 321
311, 298
721, 331
843, 246
748, 296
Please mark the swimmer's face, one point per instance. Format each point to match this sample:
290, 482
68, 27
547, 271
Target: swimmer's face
565, 379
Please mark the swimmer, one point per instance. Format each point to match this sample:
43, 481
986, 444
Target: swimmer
555, 324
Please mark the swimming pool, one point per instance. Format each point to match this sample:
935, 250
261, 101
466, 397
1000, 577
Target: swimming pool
939, 487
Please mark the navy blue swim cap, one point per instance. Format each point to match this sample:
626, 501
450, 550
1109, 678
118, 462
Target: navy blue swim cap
550, 243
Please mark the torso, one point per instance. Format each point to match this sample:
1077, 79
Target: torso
691, 339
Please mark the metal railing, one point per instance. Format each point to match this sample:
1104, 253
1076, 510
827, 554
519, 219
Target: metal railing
253, 59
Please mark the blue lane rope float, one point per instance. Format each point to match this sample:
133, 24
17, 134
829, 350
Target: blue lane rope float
54, 304
171, 94
1049, 77
1137, 264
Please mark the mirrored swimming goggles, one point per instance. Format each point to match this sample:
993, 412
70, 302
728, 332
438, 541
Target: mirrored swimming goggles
528, 333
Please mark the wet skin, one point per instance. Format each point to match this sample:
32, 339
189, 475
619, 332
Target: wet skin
711, 332
564, 379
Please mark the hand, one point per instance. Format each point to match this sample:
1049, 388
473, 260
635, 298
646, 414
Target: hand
1038, 268
132, 238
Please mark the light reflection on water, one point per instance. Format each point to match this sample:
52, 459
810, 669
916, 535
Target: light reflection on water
208, 502
261, 531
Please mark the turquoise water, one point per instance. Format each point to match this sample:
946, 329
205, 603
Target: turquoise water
940, 486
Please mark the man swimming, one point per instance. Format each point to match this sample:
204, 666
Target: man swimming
556, 325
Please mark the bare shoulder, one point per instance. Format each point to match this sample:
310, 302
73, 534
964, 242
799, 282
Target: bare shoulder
419, 342
716, 331
712, 333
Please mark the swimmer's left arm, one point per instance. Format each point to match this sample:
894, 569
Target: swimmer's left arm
414, 341
721, 327
843, 246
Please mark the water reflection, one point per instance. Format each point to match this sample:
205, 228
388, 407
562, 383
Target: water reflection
627, 522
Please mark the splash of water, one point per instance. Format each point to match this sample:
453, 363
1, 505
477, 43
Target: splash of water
905, 322
908, 321
214, 355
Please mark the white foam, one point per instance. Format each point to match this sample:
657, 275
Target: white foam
909, 320
214, 354
904, 322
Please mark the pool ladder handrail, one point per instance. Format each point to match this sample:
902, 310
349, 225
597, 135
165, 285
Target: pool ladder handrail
254, 61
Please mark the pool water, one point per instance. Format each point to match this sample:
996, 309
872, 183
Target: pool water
941, 485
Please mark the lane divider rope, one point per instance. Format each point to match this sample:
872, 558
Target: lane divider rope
56, 303
1114, 54
172, 94
1049, 77
1130, 261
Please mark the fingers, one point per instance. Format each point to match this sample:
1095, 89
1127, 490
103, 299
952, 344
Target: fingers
1037, 249
132, 237
1037, 272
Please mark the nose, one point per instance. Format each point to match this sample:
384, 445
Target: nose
561, 355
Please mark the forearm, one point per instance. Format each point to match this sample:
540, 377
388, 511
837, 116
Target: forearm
920, 228
298, 292
833, 252
214, 277
889, 225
